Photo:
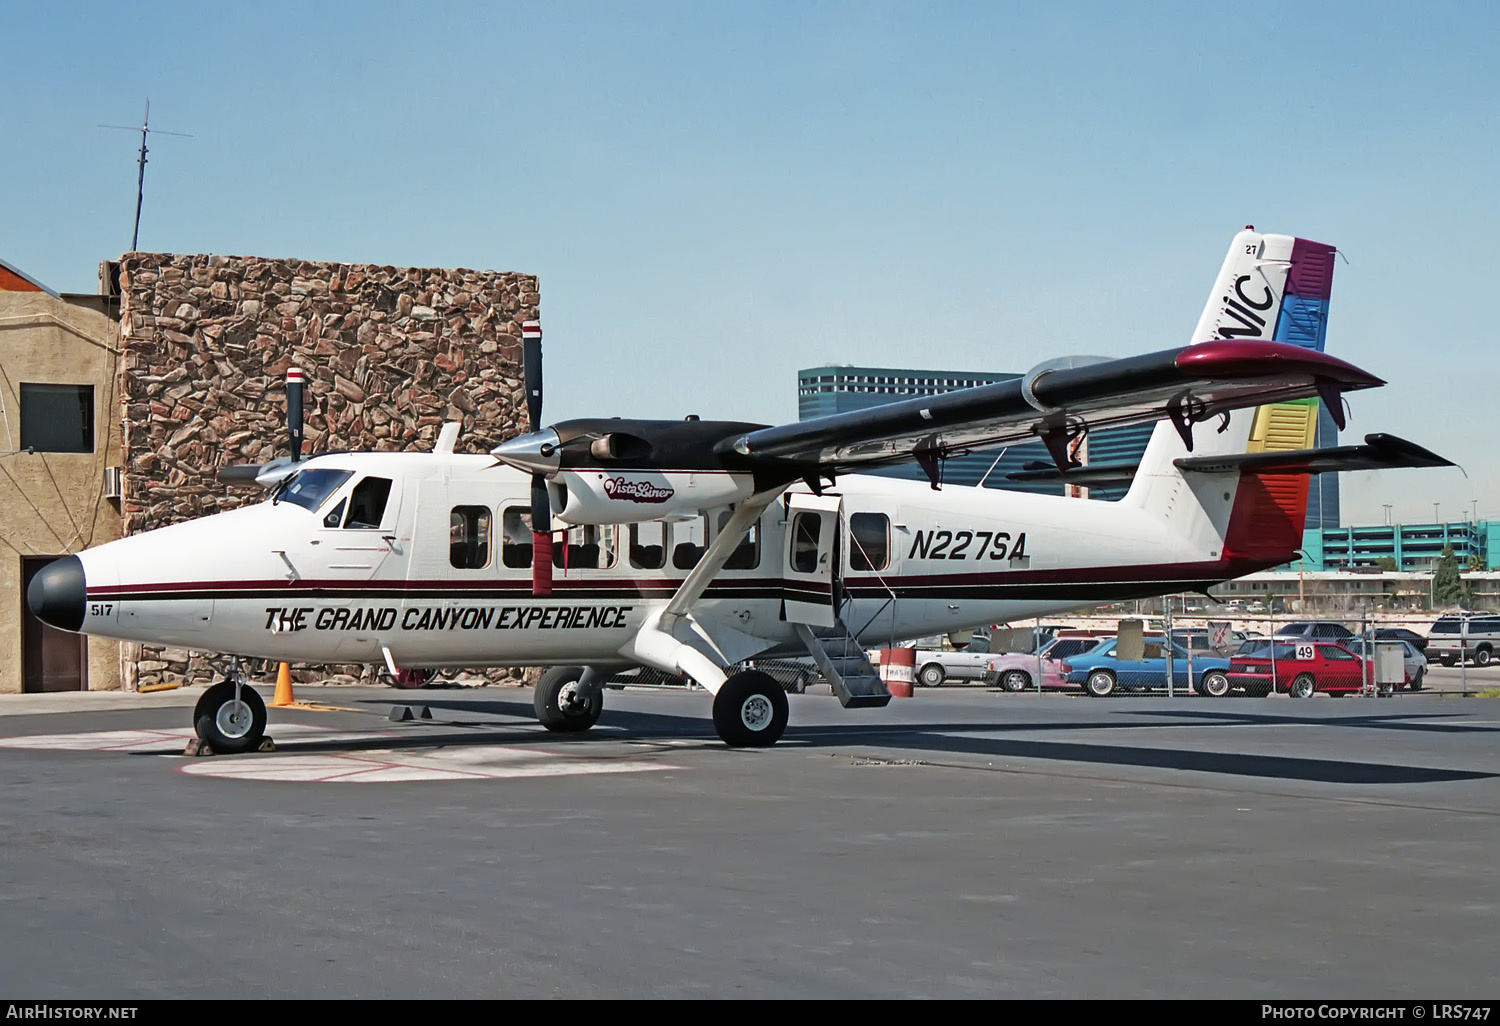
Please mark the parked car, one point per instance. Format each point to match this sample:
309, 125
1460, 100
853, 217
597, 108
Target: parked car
1102, 673
936, 666
1199, 641
1416, 665
1396, 634
1301, 668
1066, 648
1017, 671
1456, 636
1314, 630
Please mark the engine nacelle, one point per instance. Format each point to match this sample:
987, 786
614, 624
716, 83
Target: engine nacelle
632, 497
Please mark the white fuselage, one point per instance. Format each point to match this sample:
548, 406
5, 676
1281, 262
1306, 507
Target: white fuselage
445, 578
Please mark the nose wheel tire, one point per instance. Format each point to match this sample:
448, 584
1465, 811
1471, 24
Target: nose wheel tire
563, 704
230, 726
750, 710
1302, 686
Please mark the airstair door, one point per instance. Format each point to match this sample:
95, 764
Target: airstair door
810, 582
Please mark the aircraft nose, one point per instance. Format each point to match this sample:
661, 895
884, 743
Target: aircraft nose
57, 594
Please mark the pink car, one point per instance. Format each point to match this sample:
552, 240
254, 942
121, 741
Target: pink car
1017, 672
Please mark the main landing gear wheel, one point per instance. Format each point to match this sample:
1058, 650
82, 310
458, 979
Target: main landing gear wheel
563, 704
230, 726
750, 710
410, 679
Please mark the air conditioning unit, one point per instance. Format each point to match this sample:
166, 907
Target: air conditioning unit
113, 482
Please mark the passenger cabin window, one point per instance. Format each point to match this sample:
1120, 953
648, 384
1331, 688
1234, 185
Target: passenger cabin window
870, 541
746, 555
694, 534
587, 547
57, 418
367, 503
515, 542
648, 545
807, 531
469, 537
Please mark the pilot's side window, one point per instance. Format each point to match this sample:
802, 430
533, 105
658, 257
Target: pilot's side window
367, 502
807, 530
335, 515
515, 538
870, 541
648, 545
469, 537
746, 555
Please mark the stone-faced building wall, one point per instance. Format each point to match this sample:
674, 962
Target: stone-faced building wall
390, 354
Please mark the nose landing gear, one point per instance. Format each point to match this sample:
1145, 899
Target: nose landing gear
231, 717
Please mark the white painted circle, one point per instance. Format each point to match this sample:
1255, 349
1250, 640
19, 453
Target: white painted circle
756, 712
234, 719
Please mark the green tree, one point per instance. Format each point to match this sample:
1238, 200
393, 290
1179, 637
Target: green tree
1387, 563
1447, 587
1476, 563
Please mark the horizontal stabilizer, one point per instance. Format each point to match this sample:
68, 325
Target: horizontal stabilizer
1091, 475
1380, 452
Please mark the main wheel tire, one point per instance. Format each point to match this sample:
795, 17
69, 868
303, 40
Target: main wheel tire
228, 726
932, 676
1483, 656
1215, 684
1100, 684
1015, 680
408, 680
1302, 686
750, 710
561, 705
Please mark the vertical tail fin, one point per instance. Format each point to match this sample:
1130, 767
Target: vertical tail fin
1270, 287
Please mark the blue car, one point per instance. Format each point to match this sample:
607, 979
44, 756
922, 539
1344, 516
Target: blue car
1102, 674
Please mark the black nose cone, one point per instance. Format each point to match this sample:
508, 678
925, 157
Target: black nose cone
56, 594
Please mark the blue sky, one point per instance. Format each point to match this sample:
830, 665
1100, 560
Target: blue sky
718, 194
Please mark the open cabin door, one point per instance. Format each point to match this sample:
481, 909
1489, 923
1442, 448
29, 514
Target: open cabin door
810, 582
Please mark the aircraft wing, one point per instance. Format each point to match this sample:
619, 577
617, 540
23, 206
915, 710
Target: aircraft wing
1380, 452
1054, 404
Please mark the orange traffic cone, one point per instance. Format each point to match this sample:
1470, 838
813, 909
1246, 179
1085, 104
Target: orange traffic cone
284, 687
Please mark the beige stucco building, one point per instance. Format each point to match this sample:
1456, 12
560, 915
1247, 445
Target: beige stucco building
59, 433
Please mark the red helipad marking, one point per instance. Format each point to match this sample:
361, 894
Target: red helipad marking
390, 766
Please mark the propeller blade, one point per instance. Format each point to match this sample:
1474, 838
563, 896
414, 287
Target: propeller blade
243, 473
531, 368
294, 380
541, 537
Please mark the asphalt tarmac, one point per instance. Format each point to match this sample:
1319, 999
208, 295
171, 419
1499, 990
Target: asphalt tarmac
961, 843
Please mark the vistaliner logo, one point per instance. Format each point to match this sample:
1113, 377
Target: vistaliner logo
635, 491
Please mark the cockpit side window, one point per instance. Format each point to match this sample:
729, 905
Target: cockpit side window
367, 503
311, 488
335, 515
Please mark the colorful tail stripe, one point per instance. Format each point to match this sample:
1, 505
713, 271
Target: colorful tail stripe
1280, 501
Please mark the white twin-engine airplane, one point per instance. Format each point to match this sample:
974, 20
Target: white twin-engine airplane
693, 546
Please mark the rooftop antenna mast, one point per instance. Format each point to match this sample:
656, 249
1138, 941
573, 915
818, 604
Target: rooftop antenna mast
140, 182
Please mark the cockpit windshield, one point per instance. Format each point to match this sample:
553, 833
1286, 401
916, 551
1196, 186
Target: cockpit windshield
310, 488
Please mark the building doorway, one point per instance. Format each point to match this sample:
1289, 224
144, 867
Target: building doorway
51, 660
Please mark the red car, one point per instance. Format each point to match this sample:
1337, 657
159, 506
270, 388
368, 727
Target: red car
1302, 668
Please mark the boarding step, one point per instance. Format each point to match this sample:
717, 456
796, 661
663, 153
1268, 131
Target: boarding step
844, 664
